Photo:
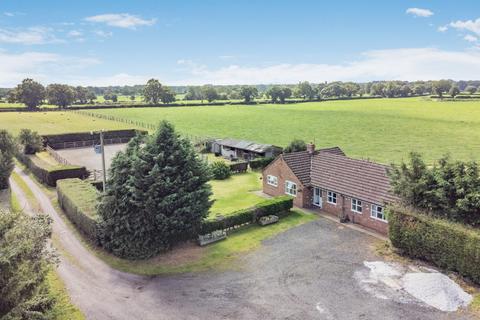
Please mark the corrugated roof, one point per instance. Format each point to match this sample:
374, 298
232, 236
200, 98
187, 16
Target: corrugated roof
245, 145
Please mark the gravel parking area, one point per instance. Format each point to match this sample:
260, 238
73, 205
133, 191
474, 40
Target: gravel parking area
88, 158
307, 272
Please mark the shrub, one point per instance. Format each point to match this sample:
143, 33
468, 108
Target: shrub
220, 170
30, 140
260, 163
78, 199
6, 168
295, 146
448, 245
449, 189
279, 206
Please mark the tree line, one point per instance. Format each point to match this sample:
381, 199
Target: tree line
32, 93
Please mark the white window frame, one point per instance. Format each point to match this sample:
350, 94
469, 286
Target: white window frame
293, 187
332, 197
356, 205
272, 180
374, 213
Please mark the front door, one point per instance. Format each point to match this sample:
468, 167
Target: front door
317, 197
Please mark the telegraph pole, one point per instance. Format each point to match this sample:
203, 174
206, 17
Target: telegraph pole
102, 147
102, 150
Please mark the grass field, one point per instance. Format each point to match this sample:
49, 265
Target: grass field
54, 122
383, 130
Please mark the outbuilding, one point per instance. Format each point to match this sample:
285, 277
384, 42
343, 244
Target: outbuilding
244, 150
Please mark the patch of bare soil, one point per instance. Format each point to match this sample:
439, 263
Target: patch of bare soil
181, 254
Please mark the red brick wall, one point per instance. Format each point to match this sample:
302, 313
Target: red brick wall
363, 218
281, 170
304, 197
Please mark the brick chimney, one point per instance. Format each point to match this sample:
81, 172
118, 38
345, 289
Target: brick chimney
310, 148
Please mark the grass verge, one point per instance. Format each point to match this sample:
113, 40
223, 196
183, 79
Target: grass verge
217, 256
63, 308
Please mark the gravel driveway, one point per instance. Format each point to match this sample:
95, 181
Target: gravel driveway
304, 273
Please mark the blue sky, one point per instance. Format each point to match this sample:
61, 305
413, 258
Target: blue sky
237, 42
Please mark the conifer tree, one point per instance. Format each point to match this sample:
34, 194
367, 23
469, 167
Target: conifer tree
157, 195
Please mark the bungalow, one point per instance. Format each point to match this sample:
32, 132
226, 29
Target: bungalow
327, 180
245, 150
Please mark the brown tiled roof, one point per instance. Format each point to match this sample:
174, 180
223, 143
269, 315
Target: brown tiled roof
300, 162
360, 179
334, 150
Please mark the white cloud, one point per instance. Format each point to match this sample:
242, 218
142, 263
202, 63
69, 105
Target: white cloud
75, 33
29, 36
9, 14
121, 20
391, 64
103, 34
442, 28
469, 25
418, 12
42, 66
470, 38
120, 79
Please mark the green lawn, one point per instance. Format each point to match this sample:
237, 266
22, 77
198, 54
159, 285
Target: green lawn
54, 122
383, 130
235, 193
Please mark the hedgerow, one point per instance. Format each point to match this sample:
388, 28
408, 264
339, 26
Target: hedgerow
78, 200
448, 245
260, 163
279, 206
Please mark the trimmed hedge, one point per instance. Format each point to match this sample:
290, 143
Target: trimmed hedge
50, 176
79, 139
78, 200
260, 163
239, 167
279, 206
449, 245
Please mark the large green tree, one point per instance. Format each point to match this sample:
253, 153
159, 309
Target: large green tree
61, 95
154, 92
305, 90
441, 86
24, 264
277, 93
157, 195
30, 93
7, 151
30, 140
248, 93
209, 93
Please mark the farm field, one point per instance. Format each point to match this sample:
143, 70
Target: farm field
383, 130
54, 122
